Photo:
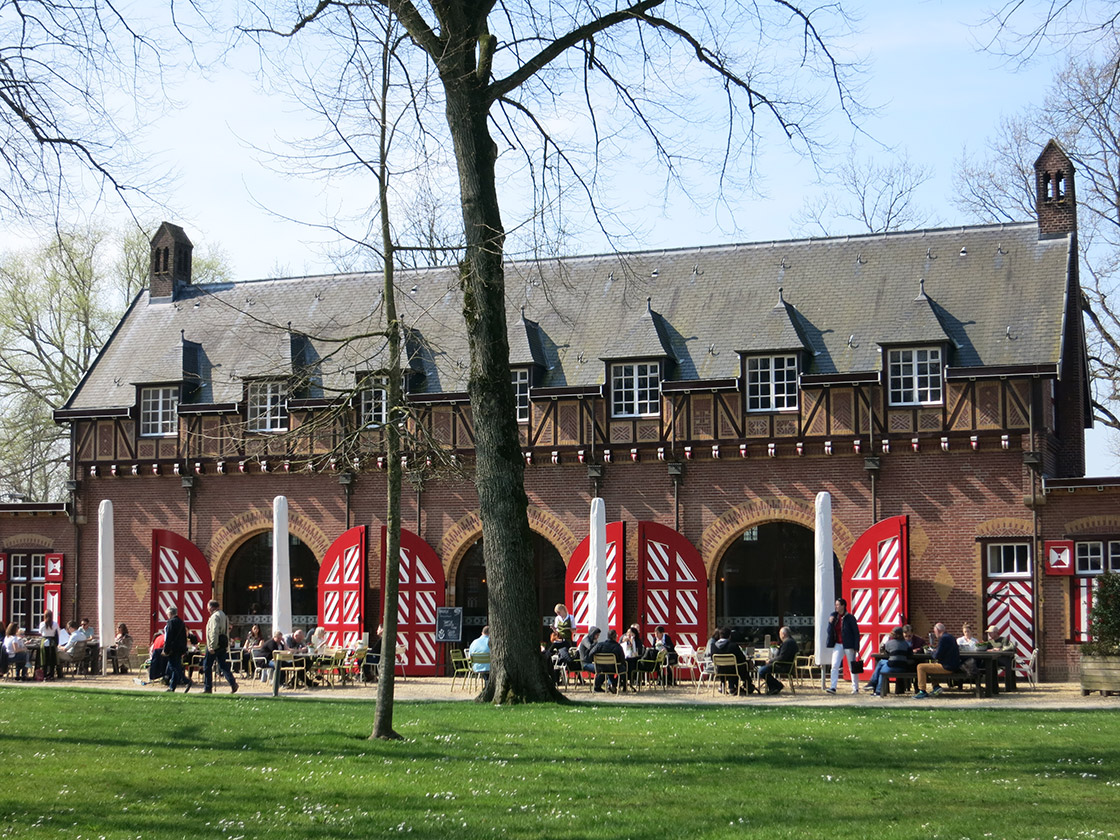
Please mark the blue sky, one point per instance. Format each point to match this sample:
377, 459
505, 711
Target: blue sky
935, 91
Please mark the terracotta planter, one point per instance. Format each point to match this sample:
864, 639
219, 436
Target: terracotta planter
1100, 673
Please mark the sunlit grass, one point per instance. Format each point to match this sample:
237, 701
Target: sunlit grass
89, 764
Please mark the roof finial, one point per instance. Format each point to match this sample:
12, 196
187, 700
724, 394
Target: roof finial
921, 289
781, 297
522, 312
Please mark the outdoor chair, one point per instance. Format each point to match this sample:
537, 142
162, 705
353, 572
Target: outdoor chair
1028, 666
783, 668
121, 658
803, 664
727, 668
606, 664
650, 670
76, 660
460, 667
329, 669
401, 659
705, 670
686, 667
479, 659
290, 672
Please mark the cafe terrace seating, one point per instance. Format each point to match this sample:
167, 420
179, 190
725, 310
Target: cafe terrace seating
605, 663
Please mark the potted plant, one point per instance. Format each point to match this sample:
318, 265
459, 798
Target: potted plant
1100, 657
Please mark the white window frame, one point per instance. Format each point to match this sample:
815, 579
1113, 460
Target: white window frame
1095, 557
159, 408
1008, 560
26, 588
636, 389
914, 376
772, 383
520, 380
375, 402
267, 409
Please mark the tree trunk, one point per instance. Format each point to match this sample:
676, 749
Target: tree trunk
516, 671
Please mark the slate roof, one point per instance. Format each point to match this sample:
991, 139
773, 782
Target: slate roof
995, 293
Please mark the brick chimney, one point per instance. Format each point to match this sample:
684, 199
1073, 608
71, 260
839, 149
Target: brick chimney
1054, 192
171, 263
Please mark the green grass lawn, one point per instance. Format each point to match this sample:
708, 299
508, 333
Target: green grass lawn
89, 764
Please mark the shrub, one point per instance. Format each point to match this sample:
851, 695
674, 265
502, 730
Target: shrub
1104, 619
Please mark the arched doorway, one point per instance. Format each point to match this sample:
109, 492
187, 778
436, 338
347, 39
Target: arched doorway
767, 578
248, 584
472, 592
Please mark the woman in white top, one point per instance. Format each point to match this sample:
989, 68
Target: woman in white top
318, 644
48, 647
16, 649
966, 638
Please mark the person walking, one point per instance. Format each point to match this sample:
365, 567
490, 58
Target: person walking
843, 638
174, 646
217, 650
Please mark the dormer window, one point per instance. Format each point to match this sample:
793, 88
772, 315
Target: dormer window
268, 407
636, 389
520, 379
374, 402
158, 407
914, 376
772, 383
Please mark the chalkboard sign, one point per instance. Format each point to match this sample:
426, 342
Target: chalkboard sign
449, 624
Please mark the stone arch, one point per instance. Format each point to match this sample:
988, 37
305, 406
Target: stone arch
1102, 523
468, 529
28, 539
724, 530
233, 533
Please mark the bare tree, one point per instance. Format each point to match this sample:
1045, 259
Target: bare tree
1019, 29
547, 80
876, 195
1082, 111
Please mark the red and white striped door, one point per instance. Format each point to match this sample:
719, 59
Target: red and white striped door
1082, 592
1009, 605
421, 591
342, 588
874, 578
577, 580
181, 579
672, 585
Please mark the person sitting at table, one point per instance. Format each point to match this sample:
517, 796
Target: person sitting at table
481, 645
994, 638
90, 635
120, 651
966, 639
586, 644
318, 644
898, 658
917, 643
610, 647
787, 653
75, 649
947, 661
15, 648
742, 667
252, 641
633, 648
294, 642
262, 655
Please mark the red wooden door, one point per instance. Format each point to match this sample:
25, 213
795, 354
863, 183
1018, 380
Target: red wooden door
1009, 605
3, 590
874, 580
576, 581
181, 579
672, 585
342, 588
421, 591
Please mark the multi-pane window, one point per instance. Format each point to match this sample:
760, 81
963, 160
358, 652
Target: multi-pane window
636, 389
771, 383
157, 411
375, 401
267, 407
1009, 559
520, 378
1094, 558
914, 376
27, 574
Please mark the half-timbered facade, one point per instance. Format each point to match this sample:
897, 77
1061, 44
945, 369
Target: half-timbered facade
933, 381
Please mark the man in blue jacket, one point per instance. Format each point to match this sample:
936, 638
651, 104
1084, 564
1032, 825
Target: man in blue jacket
843, 639
948, 660
174, 647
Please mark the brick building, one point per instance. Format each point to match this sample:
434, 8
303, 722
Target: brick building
934, 382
